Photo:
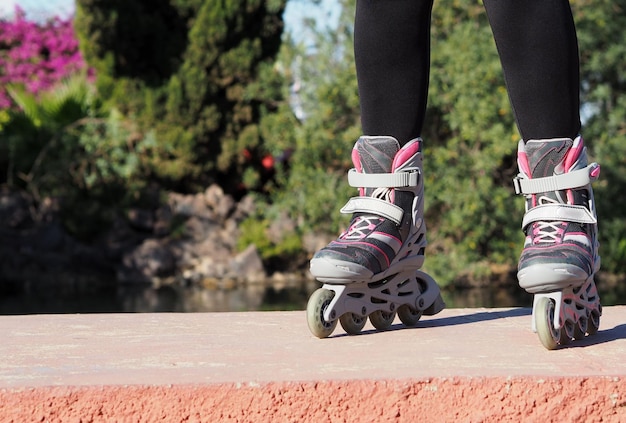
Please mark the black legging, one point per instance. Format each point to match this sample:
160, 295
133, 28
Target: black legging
536, 41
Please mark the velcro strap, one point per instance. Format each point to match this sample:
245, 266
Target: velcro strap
374, 206
382, 180
575, 179
558, 212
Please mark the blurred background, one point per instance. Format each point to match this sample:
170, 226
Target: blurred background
190, 155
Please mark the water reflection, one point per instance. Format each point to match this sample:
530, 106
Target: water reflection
108, 298
252, 297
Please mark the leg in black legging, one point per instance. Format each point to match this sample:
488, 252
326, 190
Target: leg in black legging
392, 55
536, 40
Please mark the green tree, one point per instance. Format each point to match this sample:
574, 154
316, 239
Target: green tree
314, 128
189, 71
323, 81
470, 144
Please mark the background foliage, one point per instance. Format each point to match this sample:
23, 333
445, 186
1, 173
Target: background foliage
188, 70
193, 92
470, 135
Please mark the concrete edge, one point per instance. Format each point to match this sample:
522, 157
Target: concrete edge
459, 399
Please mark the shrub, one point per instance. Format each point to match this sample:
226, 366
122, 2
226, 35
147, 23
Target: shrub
189, 71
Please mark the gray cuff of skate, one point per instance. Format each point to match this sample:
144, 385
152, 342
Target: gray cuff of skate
386, 180
374, 206
558, 212
575, 179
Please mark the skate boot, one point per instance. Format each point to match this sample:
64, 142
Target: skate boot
560, 255
372, 269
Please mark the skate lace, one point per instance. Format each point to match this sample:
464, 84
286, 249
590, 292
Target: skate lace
547, 231
382, 193
363, 225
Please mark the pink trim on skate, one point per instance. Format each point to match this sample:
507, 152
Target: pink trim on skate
573, 154
570, 158
584, 251
370, 245
595, 173
356, 161
405, 154
522, 161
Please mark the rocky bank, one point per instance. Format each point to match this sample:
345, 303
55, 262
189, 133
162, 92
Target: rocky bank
189, 239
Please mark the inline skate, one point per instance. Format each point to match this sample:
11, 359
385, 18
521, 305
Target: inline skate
372, 268
560, 255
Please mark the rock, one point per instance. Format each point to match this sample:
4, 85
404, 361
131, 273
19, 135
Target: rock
141, 219
213, 247
221, 204
181, 204
163, 221
199, 208
211, 268
14, 209
189, 239
229, 234
213, 196
197, 229
314, 242
280, 227
248, 266
245, 208
150, 260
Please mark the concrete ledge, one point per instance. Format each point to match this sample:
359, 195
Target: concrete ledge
461, 365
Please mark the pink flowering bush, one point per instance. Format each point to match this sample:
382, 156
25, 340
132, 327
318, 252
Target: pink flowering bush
36, 55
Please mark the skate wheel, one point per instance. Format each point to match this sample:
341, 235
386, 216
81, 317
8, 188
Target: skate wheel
382, 320
544, 316
352, 323
567, 333
317, 304
580, 329
593, 324
408, 315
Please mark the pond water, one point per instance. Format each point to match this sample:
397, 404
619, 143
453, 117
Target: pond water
104, 298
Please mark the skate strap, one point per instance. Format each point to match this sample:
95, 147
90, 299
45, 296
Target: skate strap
374, 206
575, 179
558, 212
379, 180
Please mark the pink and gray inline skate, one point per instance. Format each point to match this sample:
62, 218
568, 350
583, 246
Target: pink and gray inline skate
372, 269
560, 256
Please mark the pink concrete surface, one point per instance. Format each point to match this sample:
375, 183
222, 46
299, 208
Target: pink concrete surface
462, 365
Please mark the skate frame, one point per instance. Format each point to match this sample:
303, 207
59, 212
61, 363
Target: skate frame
570, 304
413, 287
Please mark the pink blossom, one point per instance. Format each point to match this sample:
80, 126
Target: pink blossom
37, 55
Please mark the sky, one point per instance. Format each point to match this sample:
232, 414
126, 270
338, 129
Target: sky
36, 9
